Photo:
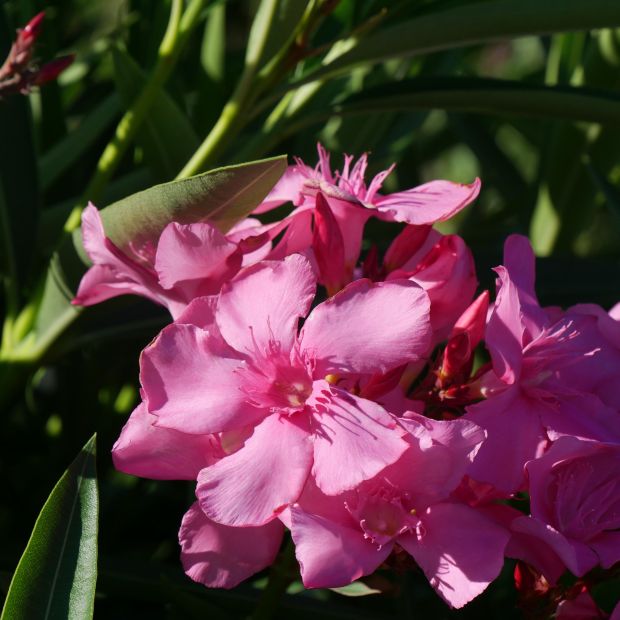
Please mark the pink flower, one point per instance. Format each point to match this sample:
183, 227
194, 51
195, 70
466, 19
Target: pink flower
347, 203
250, 369
447, 273
341, 538
187, 261
575, 506
529, 400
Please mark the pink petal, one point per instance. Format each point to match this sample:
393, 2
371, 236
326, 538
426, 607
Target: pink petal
190, 383
201, 313
460, 551
354, 438
429, 203
577, 556
368, 327
287, 189
222, 557
514, 436
194, 252
150, 451
607, 546
251, 486
263, 304
328, 247
330, 554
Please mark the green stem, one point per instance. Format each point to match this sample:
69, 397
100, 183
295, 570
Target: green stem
252, 84
11, 299
281, 576
177, 32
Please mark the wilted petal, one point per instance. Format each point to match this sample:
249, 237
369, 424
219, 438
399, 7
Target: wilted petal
222, 557
368, 327
251, 486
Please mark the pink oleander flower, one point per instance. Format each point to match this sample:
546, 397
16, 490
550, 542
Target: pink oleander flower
187, 261
575, 509
532, 396
341, 203
237, 363
344, 537
213, 554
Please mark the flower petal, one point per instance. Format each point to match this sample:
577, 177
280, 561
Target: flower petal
194, 252
154, 452
330, 554
222, 557
461, 551
354, 438
426, 204
264, 303
190, 383
251, 486
368, 327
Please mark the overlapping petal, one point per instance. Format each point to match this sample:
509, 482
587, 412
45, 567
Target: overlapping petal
368, 327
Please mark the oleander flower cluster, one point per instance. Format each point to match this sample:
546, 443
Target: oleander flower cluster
379, 409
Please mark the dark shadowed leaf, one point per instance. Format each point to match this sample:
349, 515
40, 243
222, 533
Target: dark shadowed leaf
166, 136
57, 573
470, 24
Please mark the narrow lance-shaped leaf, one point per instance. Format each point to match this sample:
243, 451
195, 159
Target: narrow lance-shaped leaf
482, 96
166, 136
57, 573
470, 24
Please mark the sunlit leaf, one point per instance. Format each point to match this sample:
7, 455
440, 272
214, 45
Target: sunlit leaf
57, 573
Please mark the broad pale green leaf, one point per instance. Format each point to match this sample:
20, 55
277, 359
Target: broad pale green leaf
57, 573
470, 24
166, 136
223, 196
70, 149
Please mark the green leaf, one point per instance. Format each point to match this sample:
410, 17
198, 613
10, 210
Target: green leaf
68, 151
610, 191
357, 588
166, 136
470, 24
488, 96
223, 196
273, 24
57, 573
